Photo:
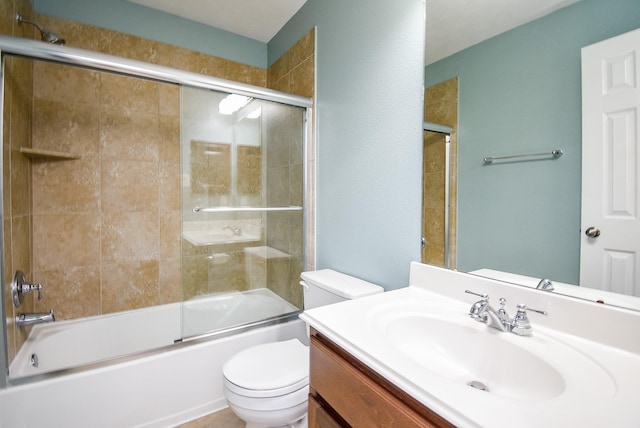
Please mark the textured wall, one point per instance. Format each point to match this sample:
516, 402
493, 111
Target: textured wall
369, 98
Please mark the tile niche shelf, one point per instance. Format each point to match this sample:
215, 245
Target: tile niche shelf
47, 154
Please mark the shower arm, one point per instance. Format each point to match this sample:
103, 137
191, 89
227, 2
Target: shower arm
45, 35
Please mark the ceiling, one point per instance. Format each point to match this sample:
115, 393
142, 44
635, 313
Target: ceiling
452, 25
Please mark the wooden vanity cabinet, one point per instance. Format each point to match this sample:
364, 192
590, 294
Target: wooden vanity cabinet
346, 393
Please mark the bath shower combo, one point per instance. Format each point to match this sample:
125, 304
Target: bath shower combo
240, 226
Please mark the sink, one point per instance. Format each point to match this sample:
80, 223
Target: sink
572, 371
488, 361
206, 237
203, 233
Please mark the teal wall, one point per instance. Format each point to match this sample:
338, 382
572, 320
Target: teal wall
131, 18
520, 92
369, 133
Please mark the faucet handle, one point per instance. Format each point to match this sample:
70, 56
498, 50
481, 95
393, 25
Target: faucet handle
484, 296
522, 308
478, 309
20, 287
520, 324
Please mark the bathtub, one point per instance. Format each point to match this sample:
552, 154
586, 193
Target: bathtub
165, 388
162, 390
75, 343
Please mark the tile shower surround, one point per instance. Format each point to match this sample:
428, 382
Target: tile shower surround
18, 98
118, 206
441, 106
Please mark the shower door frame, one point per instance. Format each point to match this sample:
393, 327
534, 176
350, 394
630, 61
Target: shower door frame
37, 50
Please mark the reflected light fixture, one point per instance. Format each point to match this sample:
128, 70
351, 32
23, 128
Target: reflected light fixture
255, 114
232, 103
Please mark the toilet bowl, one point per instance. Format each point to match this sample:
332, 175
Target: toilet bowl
267, 385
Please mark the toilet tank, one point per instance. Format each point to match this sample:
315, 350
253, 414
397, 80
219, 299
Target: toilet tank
326, 286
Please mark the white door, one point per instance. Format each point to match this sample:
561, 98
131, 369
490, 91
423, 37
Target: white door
610, 229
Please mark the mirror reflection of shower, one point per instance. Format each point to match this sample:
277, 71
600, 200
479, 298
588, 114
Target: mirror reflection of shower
436, 194
439, 184
46, 35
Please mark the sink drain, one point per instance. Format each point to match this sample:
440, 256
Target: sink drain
478, 385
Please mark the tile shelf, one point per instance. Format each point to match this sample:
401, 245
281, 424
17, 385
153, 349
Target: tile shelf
47, 154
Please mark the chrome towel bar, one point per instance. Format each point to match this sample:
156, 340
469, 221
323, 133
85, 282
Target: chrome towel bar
244, 209
555, 154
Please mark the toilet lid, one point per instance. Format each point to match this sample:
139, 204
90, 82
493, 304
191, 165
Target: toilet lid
278, 367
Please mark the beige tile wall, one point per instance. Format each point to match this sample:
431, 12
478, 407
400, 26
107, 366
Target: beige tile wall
16, 168
441, 106
294, 72
119, 206
106, 226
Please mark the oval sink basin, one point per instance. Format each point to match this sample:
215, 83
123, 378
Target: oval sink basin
483, 358
212, 237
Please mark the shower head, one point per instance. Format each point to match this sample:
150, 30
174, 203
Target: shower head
46, 35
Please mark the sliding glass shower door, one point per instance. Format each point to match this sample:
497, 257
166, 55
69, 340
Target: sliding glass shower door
146, 210
242, 210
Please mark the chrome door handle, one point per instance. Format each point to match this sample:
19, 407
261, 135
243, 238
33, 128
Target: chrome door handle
592, 232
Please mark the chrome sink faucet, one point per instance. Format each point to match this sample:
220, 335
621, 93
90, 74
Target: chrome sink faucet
235, 230
482, 311
545, 284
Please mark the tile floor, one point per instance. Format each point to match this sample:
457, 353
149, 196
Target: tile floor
222, 419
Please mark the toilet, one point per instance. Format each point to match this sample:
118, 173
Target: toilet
267, 385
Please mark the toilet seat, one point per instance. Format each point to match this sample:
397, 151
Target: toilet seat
268, 370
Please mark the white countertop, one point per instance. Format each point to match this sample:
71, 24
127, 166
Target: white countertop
600, 382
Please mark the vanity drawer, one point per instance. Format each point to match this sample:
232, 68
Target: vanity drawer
360, 396
321, 417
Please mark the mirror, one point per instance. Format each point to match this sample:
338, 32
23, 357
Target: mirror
520, 92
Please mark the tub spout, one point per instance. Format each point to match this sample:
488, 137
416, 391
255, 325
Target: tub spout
23, 320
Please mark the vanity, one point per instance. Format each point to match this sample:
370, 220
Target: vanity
342, 388
413, 357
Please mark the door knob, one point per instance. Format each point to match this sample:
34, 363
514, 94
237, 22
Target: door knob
592, 232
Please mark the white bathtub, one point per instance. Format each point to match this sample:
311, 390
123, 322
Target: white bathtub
74, 343
215, 313
165, 389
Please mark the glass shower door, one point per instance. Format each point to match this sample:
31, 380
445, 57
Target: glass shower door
242, 210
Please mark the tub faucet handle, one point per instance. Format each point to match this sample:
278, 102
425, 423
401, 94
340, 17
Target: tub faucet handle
20, 287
